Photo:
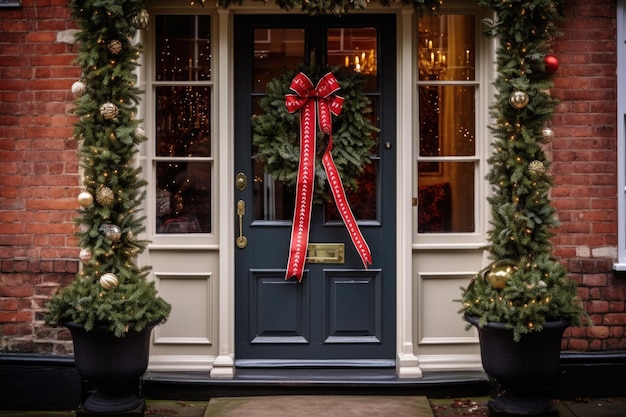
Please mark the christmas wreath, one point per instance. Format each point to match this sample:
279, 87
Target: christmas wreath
275, 131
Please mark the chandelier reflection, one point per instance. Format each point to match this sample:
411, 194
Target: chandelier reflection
432, 62
364, 63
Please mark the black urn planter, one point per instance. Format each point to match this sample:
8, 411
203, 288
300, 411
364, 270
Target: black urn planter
525, 371
113, 365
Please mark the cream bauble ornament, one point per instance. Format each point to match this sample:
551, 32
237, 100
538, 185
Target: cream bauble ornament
114, 47
519, 99
111, 232
537, 168
109, 281
109, 111
141, 19
499, 275
140, 132
79, 89
85, 199
548, 134
104, 196
85, 255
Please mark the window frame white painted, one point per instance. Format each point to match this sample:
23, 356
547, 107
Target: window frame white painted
148, 155
483, 83
620, 264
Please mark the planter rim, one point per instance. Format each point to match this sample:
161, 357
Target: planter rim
101, 327
555, 324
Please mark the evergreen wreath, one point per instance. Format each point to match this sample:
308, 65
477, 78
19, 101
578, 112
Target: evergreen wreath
276, 131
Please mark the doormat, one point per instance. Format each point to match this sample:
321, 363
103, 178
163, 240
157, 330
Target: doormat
174, 409
319, 406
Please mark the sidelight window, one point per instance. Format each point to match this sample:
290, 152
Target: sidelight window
447, 155
182, 157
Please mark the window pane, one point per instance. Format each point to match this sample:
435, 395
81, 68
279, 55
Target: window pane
363, 201
183, 198
355, 48
272, 200
446, 200
446, 47
447, 121
183, 48
275, 50
183, 117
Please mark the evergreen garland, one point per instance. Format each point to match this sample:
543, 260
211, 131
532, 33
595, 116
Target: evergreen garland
276, 138
339, 7
109, 135
522, 218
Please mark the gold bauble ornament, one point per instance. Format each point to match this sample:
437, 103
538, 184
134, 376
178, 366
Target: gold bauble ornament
548, 134
140, 132
111, 232
537, 167
498, 275
114, 47
85, 199
109, 111
79, 89
104, 196
519, 99
109, 281
85, 255
141, 19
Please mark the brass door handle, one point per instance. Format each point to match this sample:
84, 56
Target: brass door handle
241, 240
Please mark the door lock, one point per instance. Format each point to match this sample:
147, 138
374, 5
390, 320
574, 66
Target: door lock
241, 181
241, 240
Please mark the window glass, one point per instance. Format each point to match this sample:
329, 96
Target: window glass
446, 143
446, 47
183, 48
182, 158
278, 49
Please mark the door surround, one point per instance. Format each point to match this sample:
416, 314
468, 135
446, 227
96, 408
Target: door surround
407, 363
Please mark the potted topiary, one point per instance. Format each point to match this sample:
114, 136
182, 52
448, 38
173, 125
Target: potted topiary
522, 302
111, 308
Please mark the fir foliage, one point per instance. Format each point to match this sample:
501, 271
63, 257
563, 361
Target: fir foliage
522, 217
276, 139
339, 7
107, 150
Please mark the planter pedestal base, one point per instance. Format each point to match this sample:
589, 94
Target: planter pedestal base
508, 405
135, 412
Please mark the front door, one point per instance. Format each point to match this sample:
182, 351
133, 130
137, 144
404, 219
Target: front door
340, 313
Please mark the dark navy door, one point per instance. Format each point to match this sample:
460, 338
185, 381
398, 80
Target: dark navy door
340, 313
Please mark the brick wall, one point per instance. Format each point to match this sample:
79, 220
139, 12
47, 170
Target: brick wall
38, 173
39, 170
585, 169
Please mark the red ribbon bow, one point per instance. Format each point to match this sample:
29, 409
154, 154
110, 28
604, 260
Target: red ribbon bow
305, 100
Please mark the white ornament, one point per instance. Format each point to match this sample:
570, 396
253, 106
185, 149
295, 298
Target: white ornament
109, 281
548, 134
109, 111
141, 19
79, 89
85, 199
85, 255
140, 132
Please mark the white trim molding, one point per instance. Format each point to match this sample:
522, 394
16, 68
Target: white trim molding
620, 264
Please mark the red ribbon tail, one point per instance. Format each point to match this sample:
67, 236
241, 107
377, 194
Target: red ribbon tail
341, 201
304, 194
